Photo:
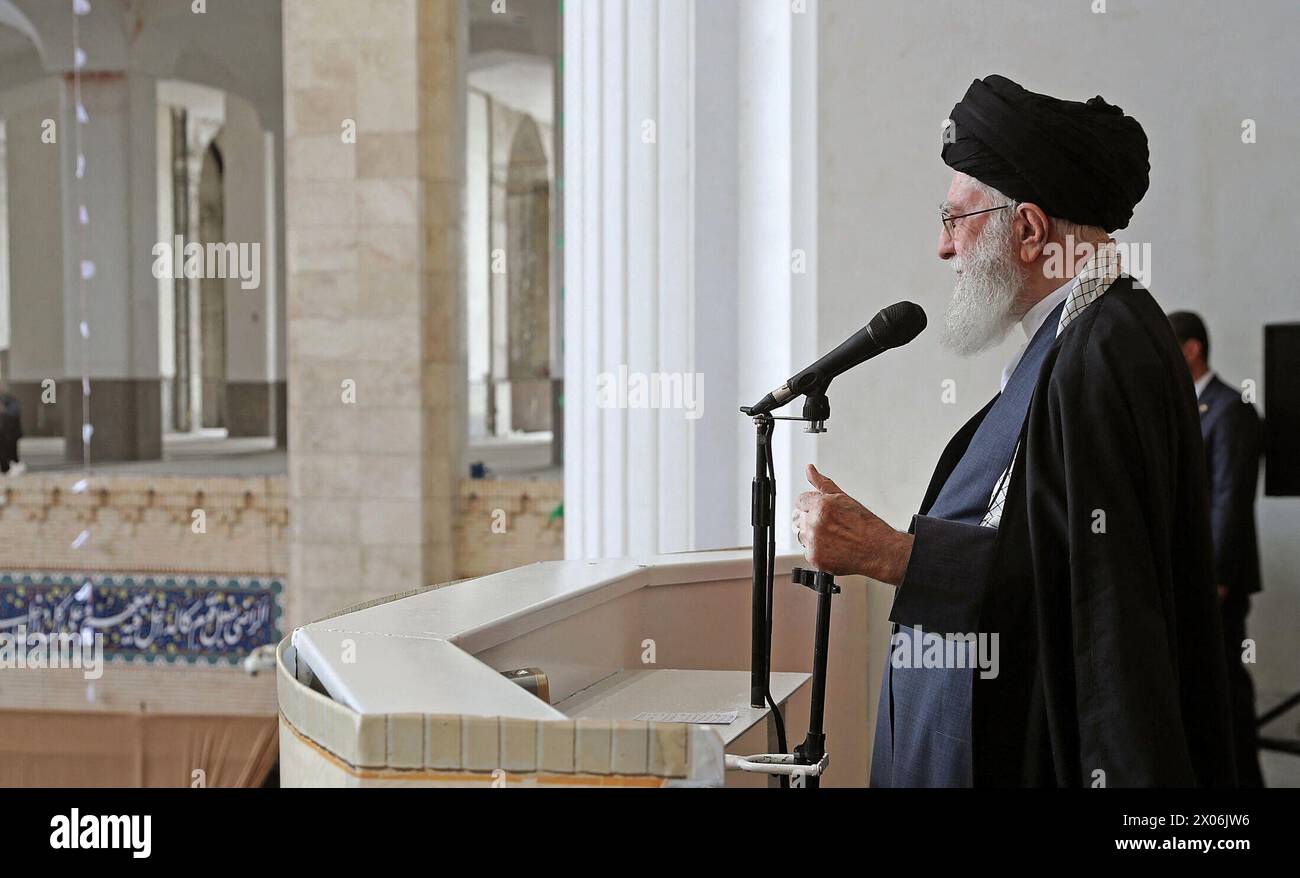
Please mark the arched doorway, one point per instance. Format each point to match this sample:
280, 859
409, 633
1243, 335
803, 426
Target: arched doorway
528, 281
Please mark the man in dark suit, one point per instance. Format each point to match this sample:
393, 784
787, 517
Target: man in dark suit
1231, 430
11, 430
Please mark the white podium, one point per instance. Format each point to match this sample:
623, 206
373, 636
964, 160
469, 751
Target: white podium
410, 691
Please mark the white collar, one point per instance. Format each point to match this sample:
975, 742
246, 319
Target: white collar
1034, 317
1032, 321
1204, 383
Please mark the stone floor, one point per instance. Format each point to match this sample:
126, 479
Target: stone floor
516, 457
206, 453
211, 453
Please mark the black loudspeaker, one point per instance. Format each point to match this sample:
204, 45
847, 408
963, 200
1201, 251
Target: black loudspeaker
1282, 410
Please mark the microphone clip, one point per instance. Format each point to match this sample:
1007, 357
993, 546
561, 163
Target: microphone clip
816, 411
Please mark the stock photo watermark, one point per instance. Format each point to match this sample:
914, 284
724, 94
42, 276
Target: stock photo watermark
21, 649
75, 831
917, 648
1066, 261
674, 391
219, 260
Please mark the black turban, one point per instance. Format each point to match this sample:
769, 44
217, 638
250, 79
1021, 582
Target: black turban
1082, 162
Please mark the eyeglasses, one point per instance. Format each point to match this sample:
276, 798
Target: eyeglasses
949, 222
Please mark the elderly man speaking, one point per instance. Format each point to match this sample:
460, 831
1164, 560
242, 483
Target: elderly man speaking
1068, 520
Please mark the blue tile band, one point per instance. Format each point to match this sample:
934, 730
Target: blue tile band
147, 617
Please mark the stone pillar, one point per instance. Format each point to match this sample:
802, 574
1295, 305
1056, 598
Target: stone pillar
212, 289
181, 405
203, 121
557, 251
250, 312
36, 258
120, 307
374, 167
276, 264
528, 274
502, 122
194, 338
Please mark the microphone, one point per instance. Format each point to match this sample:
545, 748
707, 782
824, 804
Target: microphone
893, 327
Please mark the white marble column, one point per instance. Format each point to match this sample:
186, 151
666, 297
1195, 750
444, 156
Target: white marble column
628, 290
683, 171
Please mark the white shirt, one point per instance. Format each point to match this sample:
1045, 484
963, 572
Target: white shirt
1204, 383
1033, 321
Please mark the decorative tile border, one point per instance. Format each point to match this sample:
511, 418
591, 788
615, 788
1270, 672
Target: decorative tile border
148, 617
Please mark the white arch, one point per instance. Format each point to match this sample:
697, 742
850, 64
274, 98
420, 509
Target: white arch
12, 17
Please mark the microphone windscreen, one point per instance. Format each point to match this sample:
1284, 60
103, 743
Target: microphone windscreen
898, 324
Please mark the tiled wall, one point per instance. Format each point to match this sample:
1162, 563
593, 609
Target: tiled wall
139, 524
145, 524
142, 525
503, 525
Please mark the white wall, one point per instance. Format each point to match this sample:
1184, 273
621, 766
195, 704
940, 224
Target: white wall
1221, 216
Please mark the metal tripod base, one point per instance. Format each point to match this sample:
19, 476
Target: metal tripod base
777, 764
810, 758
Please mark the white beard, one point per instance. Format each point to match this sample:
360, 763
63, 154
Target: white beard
983, 306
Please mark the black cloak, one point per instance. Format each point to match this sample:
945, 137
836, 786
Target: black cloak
1098, 578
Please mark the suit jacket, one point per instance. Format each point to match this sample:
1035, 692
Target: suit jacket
1098, 577
1230, 429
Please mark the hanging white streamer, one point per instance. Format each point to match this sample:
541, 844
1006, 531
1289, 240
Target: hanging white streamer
81, 8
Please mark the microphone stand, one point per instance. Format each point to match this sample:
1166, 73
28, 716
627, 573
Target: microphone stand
762, 517
810, 759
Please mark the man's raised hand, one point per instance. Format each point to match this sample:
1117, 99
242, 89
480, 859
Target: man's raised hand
842, 537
